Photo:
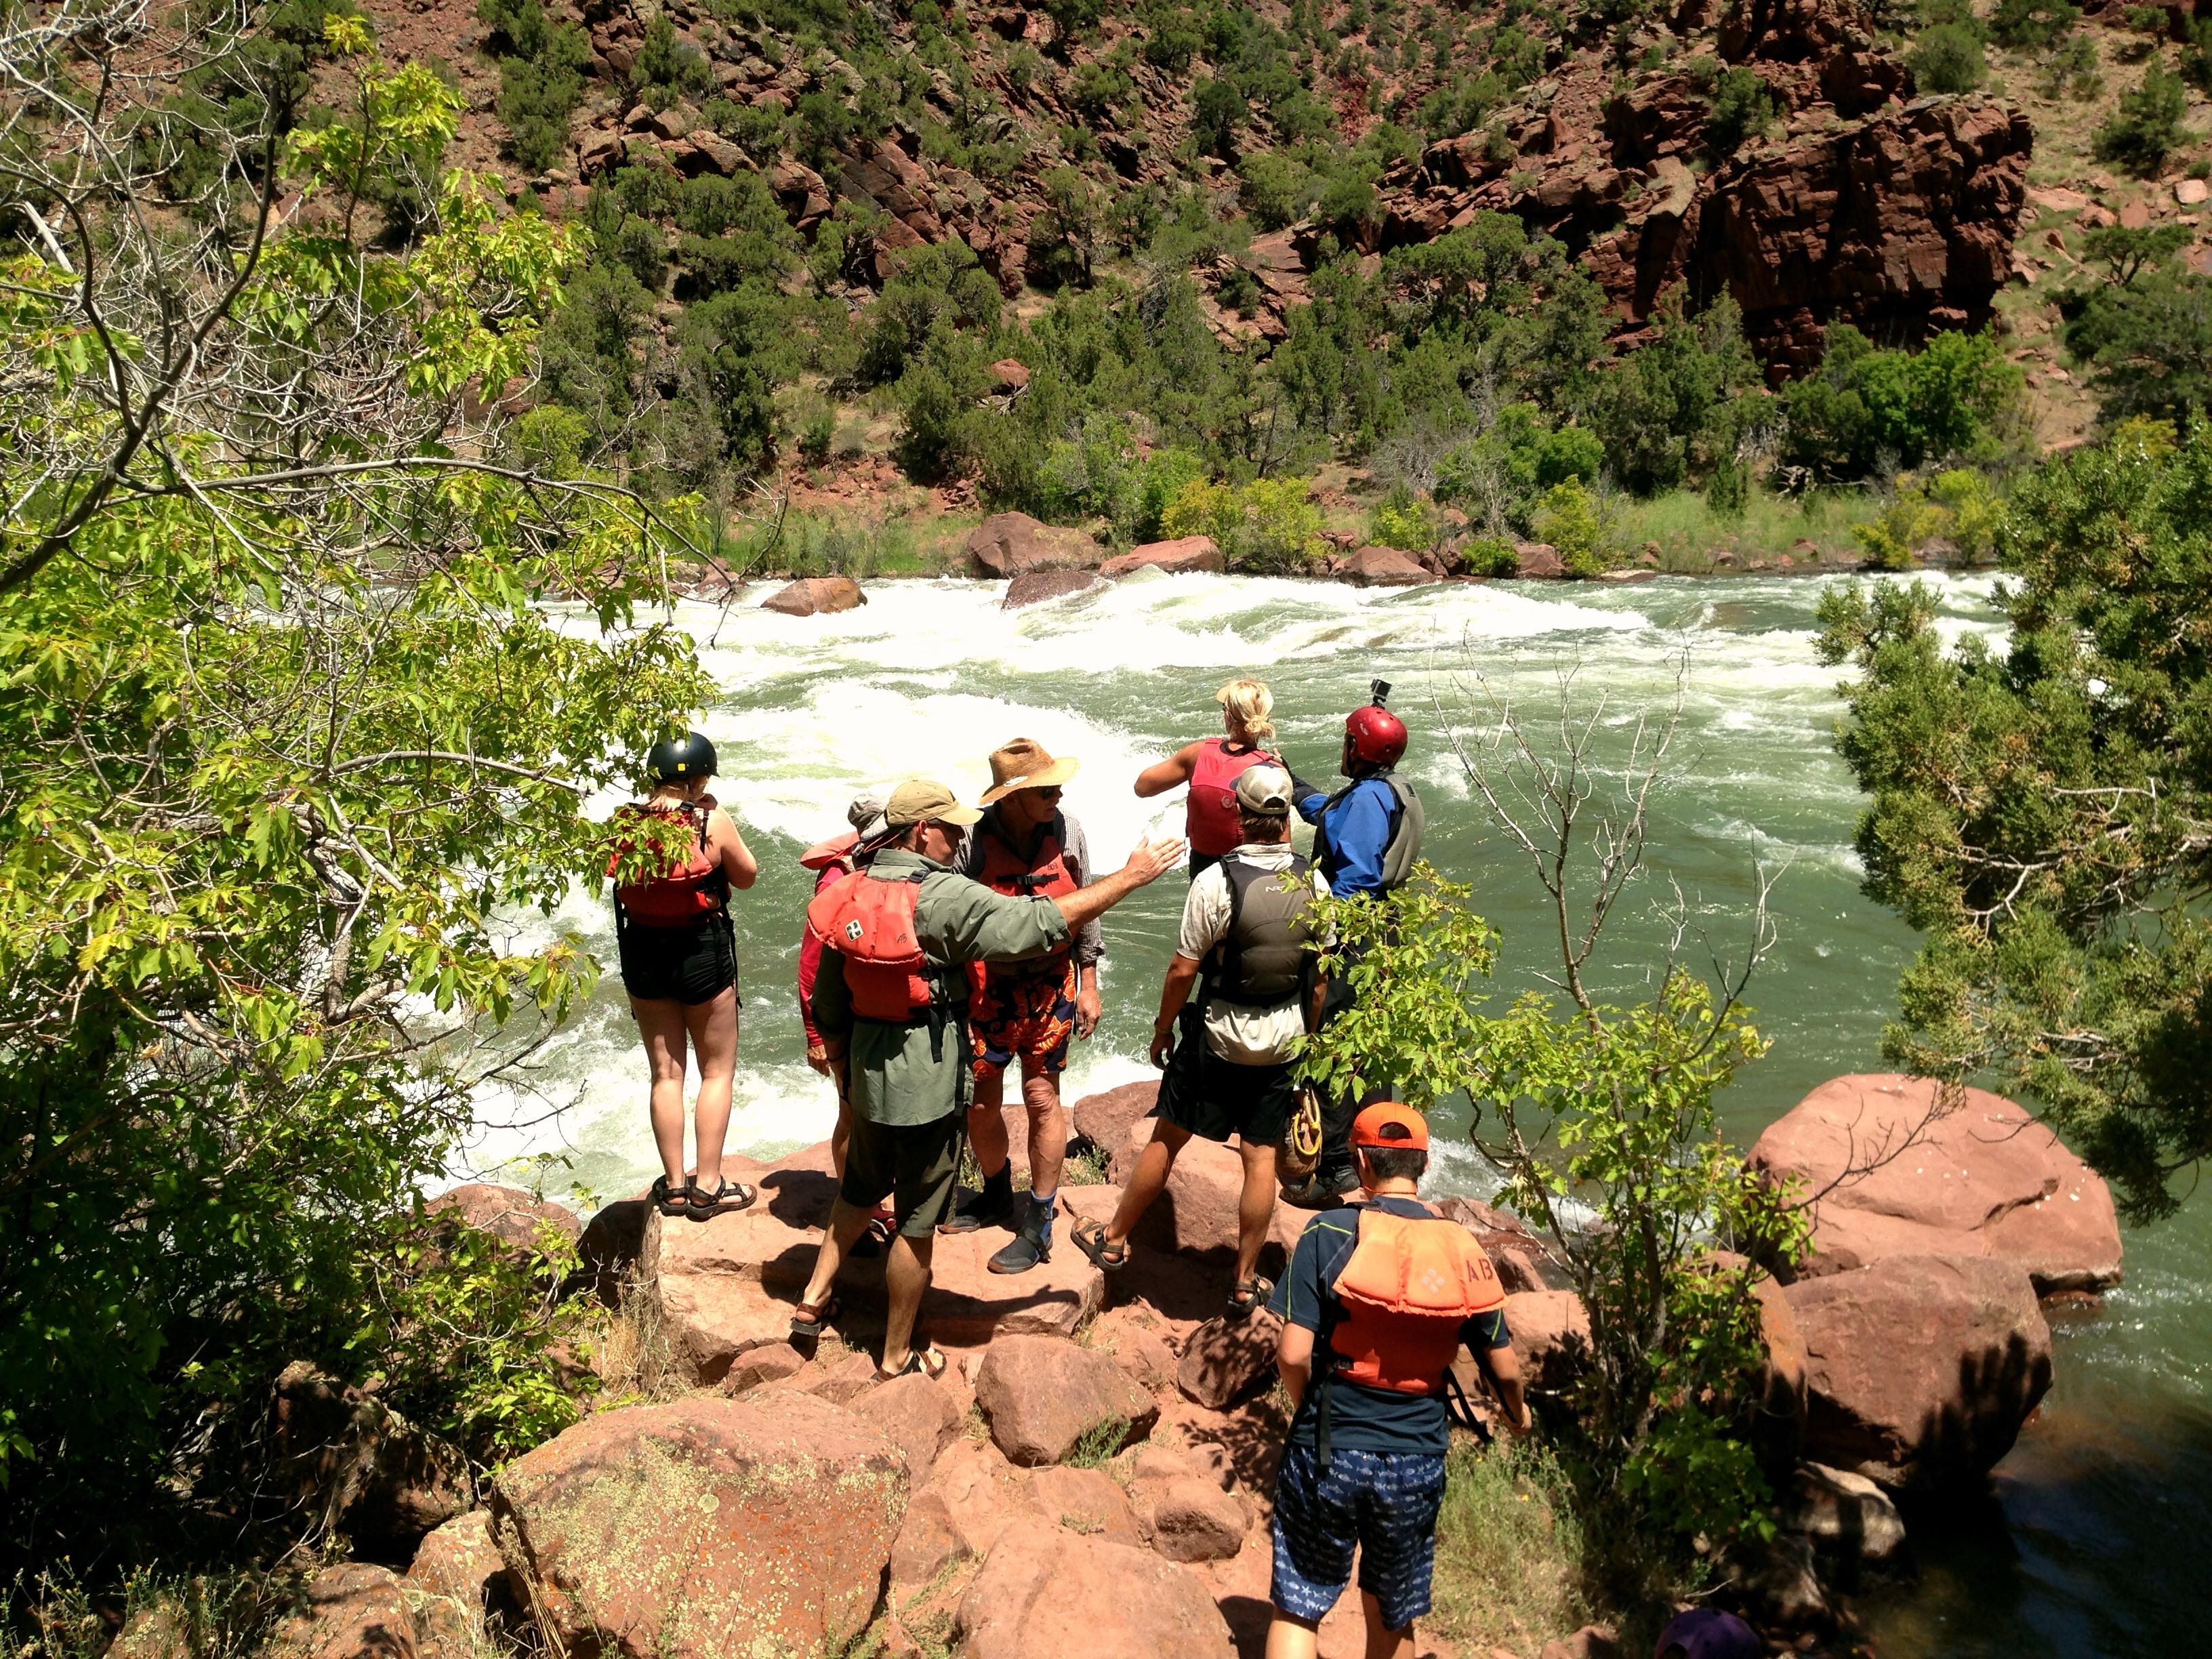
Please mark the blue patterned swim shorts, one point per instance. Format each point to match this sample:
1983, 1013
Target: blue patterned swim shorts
1385, 1503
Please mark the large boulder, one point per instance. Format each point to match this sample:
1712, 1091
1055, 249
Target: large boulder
1534, 560
1040, 586
1042, 1590
1196, 1214
1184, 556
460, 1561
1043, 1395
354, 1464
704, 1527
608, 1252
1104, 1119
353, 1611
508, 1214
918, 1416
816, 596
1008, 544
1191, 1518
1089, 1500
1551, 1333
1225, 1361
1383, 567
1920, 1369
1900, 1168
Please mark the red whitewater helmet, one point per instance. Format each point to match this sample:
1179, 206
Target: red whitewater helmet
1374, 734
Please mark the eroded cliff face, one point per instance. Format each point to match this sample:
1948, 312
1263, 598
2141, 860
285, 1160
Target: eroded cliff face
1859, 202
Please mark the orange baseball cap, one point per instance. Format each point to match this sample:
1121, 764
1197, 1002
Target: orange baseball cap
1367, 1127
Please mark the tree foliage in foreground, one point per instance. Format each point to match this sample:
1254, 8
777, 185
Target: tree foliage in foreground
2042, 808
292, 739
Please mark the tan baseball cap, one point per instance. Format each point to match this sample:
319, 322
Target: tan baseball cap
921, 800
1264, 792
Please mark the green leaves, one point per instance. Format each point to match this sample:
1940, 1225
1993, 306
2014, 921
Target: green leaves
2041, 813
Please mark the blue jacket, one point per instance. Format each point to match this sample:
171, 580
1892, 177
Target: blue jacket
1357, 828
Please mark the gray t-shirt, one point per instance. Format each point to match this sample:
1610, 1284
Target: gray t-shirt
1244, 1037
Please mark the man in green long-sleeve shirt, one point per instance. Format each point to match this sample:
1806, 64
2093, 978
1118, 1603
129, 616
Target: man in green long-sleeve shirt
905, 1069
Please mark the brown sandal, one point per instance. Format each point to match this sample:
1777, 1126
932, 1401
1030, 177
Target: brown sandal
727, 1199
1091, 1238
811, 1319
1247, 1297
927, 1360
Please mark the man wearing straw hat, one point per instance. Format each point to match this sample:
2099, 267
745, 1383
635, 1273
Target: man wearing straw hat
1025, 845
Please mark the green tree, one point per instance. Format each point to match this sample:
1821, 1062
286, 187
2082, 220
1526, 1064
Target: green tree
1959, 396
2032, 24
541, 77
2146, 331
1567, 517
2147, 126
292, 739
1740, 107
2037, 805
1947, 58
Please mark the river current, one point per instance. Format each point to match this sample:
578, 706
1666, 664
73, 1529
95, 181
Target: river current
2097, 1517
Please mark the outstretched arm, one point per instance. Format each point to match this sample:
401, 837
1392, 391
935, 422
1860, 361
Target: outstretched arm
1176, 770
1146, 865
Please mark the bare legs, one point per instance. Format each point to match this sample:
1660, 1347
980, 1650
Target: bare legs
906, 1277
710, 1029
986, 1126
1294, 1638
1255, 1201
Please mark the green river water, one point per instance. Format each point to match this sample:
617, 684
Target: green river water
2088, 1541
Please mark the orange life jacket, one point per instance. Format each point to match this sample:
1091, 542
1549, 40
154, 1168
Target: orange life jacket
689, 891
868, 919
1048, 873
1412, 1283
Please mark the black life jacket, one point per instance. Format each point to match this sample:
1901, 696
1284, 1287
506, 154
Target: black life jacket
1264, 958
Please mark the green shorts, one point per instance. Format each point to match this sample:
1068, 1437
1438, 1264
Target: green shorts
916, 1165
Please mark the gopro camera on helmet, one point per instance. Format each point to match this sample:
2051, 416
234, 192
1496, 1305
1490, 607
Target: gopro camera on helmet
1380, 689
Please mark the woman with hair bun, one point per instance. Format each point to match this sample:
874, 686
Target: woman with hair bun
1212, 766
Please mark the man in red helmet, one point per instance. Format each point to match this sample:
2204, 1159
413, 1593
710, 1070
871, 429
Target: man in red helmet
1369, 832
1366, 838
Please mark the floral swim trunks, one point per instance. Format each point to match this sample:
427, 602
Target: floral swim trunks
1023, 1015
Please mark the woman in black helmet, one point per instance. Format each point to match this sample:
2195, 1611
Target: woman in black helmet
679, 965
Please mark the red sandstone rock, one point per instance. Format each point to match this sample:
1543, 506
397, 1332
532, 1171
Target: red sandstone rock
917, 1415
354, 1611
458, 1561
1183, 556
507, 1212
1383, 567
1224, 1362
1132, 1333
1551, 1336
1922, 1369
1191, 1518
1037, 587
1046, 1592
1008, 544
771, 1363
1104, 1119
1010, 374
1042, 1394
1090, 1501
816, 596
705, 1527
927, 1543
1538, 560
1515, 1251
1986, 1179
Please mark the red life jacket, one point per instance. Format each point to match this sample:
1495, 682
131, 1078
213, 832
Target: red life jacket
1211, 822
869, 921
1048, 873
685, 893
1410, 1286
838, 849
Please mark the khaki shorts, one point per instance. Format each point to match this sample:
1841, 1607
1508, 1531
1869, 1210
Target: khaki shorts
916, 1165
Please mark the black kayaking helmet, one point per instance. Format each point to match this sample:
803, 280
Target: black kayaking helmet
680, 760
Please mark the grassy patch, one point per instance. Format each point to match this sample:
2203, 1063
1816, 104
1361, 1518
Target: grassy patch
1098, 1444
1688, 532
1086, 1168
1509, 1552
631, 1355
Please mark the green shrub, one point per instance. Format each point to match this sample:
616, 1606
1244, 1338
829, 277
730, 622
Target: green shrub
1740, 107
1160, 478
1947, 58
816, 437
934, 425
1402, 519
2032, 24
1953, 397
1268, 527
1568, 520
549, 438
2147, 126
1491, 556
1728, 489
541, 77
669, 68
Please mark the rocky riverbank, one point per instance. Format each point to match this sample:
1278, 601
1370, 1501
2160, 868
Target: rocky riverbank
1096, 1467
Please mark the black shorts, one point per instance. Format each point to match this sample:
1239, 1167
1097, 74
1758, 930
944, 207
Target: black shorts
691, 964
1216, 1098
914, 1165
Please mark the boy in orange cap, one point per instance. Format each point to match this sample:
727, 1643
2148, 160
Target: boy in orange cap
1378, 1298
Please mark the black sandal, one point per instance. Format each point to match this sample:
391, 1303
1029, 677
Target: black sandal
926, 1360
812, 1318
670, 1201
1247, 1297
727, 1199
1091, 1238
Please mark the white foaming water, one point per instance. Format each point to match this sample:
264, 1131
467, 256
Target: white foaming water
929, 677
